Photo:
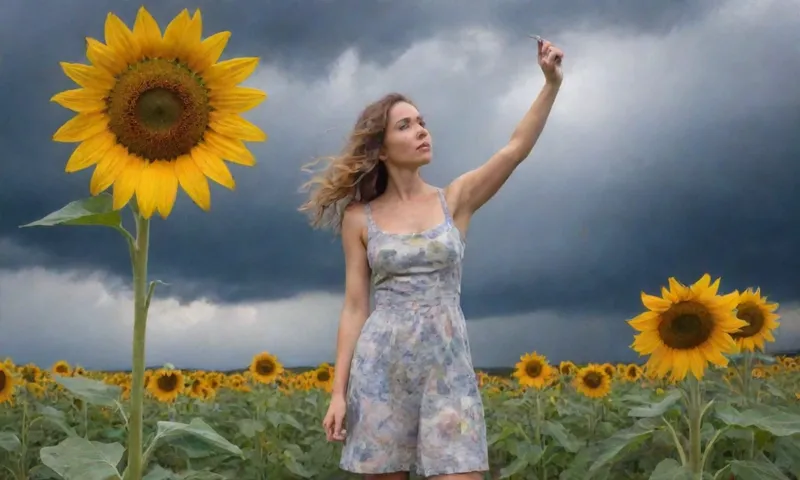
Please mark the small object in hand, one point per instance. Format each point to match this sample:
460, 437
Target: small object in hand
537, 37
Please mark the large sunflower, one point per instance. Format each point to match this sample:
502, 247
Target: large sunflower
533, 370
323, 377
593, 381
761, 320
166, 384
686, 328
265, 367
155, 112
6, 384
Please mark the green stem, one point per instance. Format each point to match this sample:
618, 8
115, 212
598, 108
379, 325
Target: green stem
747, 376
695, 414
139, 259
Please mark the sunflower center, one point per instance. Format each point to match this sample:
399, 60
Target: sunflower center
750, 313
685, 326
2, 380
61, 368
323, 376
533, 369
158, 109
632, 372
265, 367
593, 380
168, 383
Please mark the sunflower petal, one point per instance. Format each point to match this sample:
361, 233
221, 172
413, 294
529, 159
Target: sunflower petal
167, 188
209, 52
127, 181
108, 170
81, 100
229, 149
121, 39
656, 304
236, 99
702, 284
173, 35
90, 151
234, 126
147, 33
645, 321
88, 76
213, 167
193, 181
104, 57
81, 127
147, 189
230, 72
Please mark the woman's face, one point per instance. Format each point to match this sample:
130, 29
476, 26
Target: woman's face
407, 142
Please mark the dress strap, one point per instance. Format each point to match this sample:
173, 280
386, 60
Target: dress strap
447, 217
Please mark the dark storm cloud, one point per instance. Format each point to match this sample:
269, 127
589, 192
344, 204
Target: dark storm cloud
696, 188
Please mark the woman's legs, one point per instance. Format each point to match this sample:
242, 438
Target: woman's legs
387, 476
459, 476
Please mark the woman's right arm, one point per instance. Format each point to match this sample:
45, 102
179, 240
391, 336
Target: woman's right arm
356, 295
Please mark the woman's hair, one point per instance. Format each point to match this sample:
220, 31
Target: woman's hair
356, 174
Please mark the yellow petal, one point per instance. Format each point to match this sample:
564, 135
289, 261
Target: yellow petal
701, 285
127, 181
645, 321
193, 182
108, 169
82, 100
656, 304
229, 148
236, 99
121, 39
88, 76
212, 166
209, 52
234, 126
167, 188
90, 151
147, 33
147, 189
104, 57
81, 127
230, 72
173, 35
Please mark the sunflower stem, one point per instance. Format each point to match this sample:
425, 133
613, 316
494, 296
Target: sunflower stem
140, 299
695, 414
747, 376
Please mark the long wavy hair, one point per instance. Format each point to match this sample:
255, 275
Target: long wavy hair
356, 174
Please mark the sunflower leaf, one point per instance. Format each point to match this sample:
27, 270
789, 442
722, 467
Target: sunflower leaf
91, 391
79, 459
670, 469
761, 469
561, 435
197, 429
88, 211
656, 409
763, 417
9, 442
622, 440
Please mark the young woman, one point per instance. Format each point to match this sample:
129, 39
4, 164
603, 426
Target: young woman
404, 377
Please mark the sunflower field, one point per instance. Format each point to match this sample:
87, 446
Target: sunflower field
691, 412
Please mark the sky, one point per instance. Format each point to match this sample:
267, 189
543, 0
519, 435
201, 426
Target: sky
671, 151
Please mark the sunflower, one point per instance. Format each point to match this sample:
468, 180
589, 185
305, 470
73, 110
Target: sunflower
566, 368
7, 384
609, 369
633, 373
323, 377
265, 367
533, 370
166, 384
761, 321
593, 381
62, 368
155, 112
686, 328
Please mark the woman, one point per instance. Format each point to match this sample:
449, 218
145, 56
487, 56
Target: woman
404, 377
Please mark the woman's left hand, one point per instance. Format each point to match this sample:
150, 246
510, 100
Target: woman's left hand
550, 61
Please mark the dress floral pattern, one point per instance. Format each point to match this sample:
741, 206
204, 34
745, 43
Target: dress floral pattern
413, 402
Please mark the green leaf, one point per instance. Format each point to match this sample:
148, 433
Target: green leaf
172, 432
627, 438
277, 419
562, 436
79, 459
756, 470
787, 453
9, 442
91, 391
159, 473
526, 455
656, 409
89, 211
290, 461
57, 418
670, 469
250, 428
773, 420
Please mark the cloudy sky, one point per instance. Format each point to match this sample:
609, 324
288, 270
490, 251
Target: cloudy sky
672, 151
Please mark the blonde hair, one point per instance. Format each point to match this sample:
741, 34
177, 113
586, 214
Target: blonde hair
355, 175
